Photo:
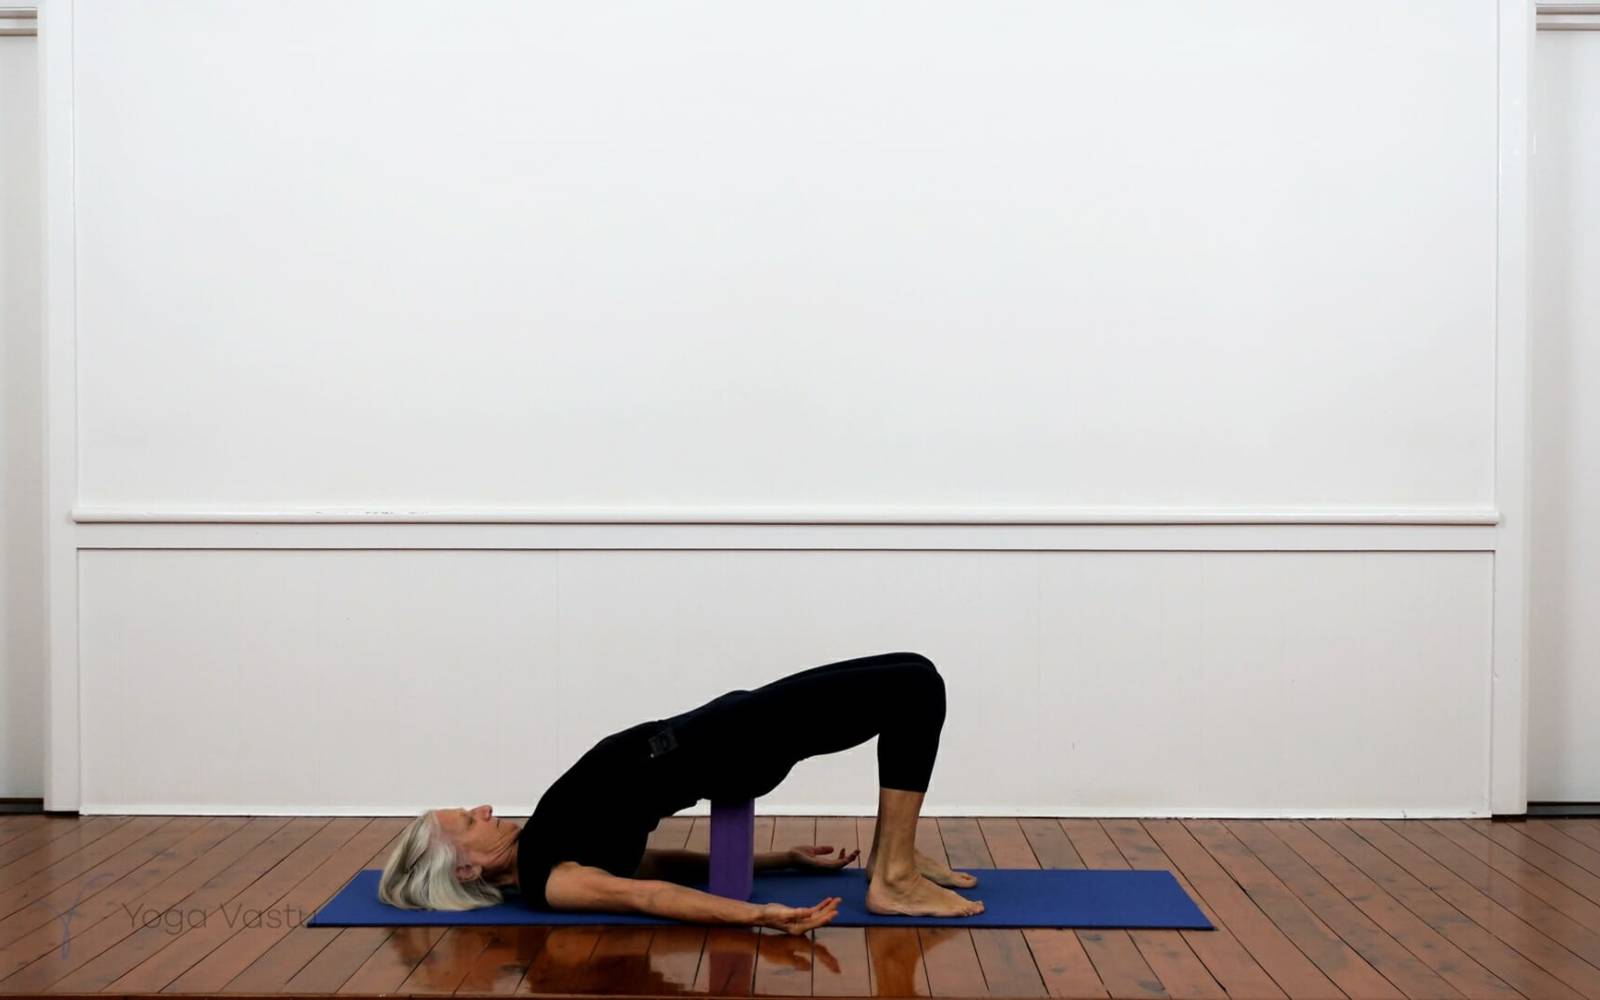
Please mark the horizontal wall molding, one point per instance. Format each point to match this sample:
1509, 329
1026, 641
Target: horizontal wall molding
19, 21
859, 537
753, 528
1568, 16
800, 515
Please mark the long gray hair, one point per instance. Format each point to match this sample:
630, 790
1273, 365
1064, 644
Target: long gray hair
421, 873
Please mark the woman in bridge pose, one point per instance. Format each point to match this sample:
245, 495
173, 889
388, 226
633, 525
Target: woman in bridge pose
584, 846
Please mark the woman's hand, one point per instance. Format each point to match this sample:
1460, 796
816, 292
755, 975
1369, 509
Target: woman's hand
798, 920
819, 857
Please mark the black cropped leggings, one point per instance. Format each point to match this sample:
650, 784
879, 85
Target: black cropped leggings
897, 697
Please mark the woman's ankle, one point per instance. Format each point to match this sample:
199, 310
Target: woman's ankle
901, 872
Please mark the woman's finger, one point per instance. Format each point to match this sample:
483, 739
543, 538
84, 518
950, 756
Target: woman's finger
823, 918
820, 920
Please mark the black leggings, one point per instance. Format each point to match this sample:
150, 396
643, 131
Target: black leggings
759, 735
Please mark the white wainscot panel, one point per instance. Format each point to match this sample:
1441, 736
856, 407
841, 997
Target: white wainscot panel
1131, 683
316, 681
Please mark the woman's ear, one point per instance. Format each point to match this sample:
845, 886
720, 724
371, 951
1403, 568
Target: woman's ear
468, 872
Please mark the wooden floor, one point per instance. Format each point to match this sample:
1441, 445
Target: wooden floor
1458, 908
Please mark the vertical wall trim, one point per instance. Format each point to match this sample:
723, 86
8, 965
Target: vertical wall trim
1508, 742
62, 756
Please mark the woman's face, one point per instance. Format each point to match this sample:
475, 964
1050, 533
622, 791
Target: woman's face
479, 835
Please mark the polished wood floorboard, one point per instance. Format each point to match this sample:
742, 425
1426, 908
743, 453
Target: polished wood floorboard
216, 905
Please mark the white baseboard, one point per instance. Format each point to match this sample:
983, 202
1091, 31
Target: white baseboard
831, 809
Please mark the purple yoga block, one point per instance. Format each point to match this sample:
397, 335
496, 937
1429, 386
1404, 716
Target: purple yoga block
733, 848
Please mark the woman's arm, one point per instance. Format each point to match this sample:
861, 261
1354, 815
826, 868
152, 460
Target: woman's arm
674, 865
572, 886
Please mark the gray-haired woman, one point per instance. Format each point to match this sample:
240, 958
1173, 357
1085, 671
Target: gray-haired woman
584, 846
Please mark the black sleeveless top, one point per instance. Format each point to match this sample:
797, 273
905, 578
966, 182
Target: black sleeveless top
602, 810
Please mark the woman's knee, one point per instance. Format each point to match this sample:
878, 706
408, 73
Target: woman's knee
925, 682
918, 660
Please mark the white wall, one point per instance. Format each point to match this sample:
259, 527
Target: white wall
1564, 742
961, 265
717, 253
22, 649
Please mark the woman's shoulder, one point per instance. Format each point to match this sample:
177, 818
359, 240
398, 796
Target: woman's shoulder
533, 870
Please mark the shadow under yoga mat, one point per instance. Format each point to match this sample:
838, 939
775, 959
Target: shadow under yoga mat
1012, 897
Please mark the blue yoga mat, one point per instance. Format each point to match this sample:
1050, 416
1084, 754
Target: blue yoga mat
1012, 897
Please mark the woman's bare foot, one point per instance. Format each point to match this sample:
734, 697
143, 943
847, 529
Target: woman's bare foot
918, 897
937, 873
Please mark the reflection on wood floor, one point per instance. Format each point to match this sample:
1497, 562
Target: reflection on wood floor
1359, 908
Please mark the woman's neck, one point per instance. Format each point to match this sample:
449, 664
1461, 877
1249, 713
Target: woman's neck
505, 871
